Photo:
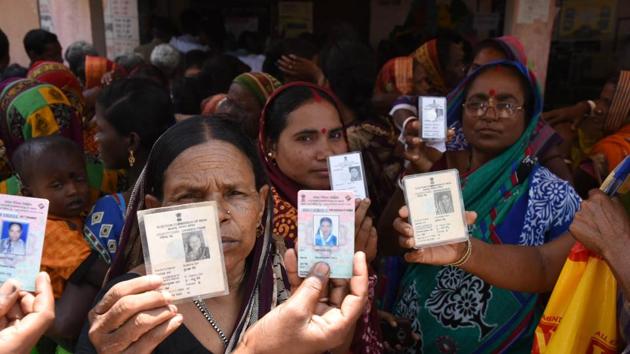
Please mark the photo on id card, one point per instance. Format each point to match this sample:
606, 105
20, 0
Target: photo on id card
182, 244
346, 173
436, 208
433, 117
23, 227
326, 231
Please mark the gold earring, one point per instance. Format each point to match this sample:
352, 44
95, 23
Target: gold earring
131, 159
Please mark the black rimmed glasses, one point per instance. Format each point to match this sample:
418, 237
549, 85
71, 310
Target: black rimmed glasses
501, 109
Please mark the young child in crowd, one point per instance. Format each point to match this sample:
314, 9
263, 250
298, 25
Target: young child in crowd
53, 168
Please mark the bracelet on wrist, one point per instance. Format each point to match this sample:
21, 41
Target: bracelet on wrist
465, 257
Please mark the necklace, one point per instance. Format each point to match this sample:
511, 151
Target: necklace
201, 305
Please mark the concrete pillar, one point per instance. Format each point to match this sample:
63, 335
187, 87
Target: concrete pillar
532, 22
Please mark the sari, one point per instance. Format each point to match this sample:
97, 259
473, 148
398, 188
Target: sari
396, 76
265, 286
64, 251
59, 75
104, 224
261, 85
367, 337
95, 68
614, 147
518, 202
29, 109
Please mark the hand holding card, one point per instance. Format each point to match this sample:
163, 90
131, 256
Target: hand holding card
436, 208
23, 227
347, 174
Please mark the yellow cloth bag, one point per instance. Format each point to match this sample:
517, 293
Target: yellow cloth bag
581, 316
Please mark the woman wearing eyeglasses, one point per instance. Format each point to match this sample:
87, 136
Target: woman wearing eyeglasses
482, 295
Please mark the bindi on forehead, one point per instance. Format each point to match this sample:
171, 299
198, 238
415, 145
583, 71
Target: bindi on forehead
492, 92
324, 130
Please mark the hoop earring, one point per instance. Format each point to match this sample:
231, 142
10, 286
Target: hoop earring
131, 159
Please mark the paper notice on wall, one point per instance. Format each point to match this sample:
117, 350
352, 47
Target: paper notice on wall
295, 17
530, 11
45, 16
122, 32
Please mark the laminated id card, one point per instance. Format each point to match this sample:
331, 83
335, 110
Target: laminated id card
23, 222
432, 111
436, 208
182, 244
347, 174
326, 231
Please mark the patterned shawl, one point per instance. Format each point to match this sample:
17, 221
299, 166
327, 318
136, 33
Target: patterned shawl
427, 56
266, 283
57, 74
396, 76
29, 109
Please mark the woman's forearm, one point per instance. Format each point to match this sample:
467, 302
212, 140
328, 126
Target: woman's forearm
519, 268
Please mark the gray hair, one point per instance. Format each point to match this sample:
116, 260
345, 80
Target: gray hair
76, 52
129, 61
166, 58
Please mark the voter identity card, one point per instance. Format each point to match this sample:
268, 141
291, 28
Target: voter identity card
436, 208
326, 231
432, 111
347, 174
182, 244
23, 222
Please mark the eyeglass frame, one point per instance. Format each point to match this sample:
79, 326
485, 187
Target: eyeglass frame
488, 104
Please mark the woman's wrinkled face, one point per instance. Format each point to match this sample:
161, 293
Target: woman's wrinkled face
490, 133
485, 56
112, 147
325, 228
312, 134
218, 171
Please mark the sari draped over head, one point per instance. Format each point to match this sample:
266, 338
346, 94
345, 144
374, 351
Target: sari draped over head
285, 190
517, 202
209, 105
427, 56
543, 137
59, 75
29, 109
396, 76
261, 85
95, 68
266, 284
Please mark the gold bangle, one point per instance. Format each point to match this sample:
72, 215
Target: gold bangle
465, 257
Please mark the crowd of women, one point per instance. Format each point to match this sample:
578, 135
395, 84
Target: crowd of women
103, 140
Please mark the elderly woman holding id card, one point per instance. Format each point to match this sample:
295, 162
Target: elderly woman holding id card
201, 160
482, 295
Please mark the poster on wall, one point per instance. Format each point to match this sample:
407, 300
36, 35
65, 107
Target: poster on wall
295, 18
122, 33
45, 16
588, 19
